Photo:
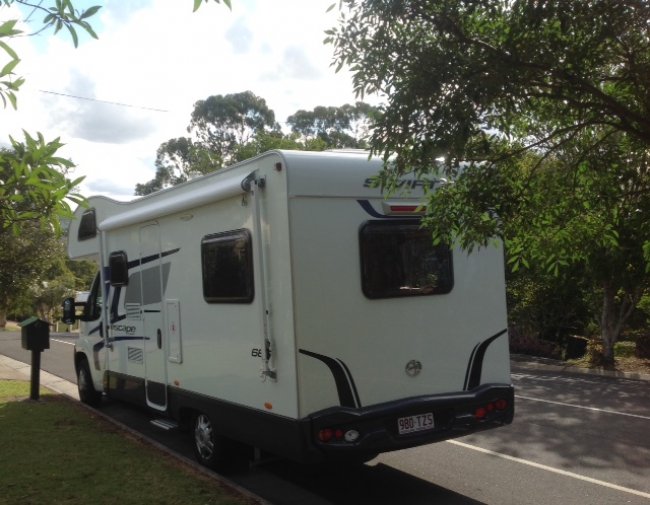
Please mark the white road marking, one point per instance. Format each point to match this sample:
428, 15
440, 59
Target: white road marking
606, 411
551, 469
61, 341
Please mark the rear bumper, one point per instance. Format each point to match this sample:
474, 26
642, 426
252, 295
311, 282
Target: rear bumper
377, 426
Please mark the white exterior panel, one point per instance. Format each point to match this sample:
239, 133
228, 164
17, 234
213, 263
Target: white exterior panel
308, 347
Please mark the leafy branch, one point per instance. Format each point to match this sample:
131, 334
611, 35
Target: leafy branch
34, 185
58, 16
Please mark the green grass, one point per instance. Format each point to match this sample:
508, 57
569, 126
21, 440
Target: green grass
624, 349
56, 452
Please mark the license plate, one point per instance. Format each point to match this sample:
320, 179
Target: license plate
412, 424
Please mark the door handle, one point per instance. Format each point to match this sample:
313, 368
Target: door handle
159, 338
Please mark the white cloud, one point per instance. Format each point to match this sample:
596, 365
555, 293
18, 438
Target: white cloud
155, 56
240, 37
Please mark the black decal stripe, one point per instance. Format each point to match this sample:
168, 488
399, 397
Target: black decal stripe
117, 292
367, 206
348, 396
469, 366
353, 386
475, 365
96, 348
153, 257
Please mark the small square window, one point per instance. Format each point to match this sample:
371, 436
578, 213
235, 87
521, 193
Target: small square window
87, 226
227, 264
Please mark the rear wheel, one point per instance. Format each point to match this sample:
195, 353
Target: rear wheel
213, 450
87, 392
208, 445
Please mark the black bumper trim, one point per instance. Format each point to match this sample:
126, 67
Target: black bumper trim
377, 425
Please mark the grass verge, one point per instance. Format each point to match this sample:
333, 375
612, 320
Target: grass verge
56, 452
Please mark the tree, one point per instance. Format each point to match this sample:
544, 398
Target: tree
540, 112
221, 123
338, 127
24, 259
178, 160
30, 171
267, 141
573, 211
455, 72
227, 129
220, 126
33, 182
57, 16
56, 283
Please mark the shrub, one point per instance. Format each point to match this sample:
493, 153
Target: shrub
522, 342
643, 346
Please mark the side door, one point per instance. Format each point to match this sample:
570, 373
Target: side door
151, 269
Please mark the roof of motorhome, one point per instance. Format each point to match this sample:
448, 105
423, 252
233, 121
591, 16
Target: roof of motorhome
310, 173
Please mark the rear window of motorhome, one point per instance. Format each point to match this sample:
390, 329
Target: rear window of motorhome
398, 259
227, 263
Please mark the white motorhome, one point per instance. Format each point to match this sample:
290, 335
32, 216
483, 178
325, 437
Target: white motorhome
288, 304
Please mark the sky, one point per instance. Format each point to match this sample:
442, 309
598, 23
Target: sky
157, 58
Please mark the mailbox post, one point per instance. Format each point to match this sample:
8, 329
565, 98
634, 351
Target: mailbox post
35, 337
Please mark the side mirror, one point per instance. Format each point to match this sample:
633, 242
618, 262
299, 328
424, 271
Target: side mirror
69, 311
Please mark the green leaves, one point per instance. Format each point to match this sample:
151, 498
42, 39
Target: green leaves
197, 3
34, 186
455, 70
8, 85
63, 14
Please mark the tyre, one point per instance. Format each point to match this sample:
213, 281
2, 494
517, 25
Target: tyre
216, 451
87, 392
207, 444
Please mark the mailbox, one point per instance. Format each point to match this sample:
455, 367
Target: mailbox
35, 334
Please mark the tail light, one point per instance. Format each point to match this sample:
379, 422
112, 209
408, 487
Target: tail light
342, 435
482, 411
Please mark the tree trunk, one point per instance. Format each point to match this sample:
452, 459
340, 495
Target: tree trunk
613, 318
3, 318
608, 326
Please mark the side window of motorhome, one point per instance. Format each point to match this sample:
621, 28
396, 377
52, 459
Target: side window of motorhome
227, 264
88, 226
93, 310
399, 259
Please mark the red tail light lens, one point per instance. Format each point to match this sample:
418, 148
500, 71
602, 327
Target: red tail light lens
484, 410
346, 435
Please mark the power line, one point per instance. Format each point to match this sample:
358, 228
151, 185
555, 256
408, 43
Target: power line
119, 104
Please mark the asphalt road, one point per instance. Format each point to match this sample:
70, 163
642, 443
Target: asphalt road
576, 439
